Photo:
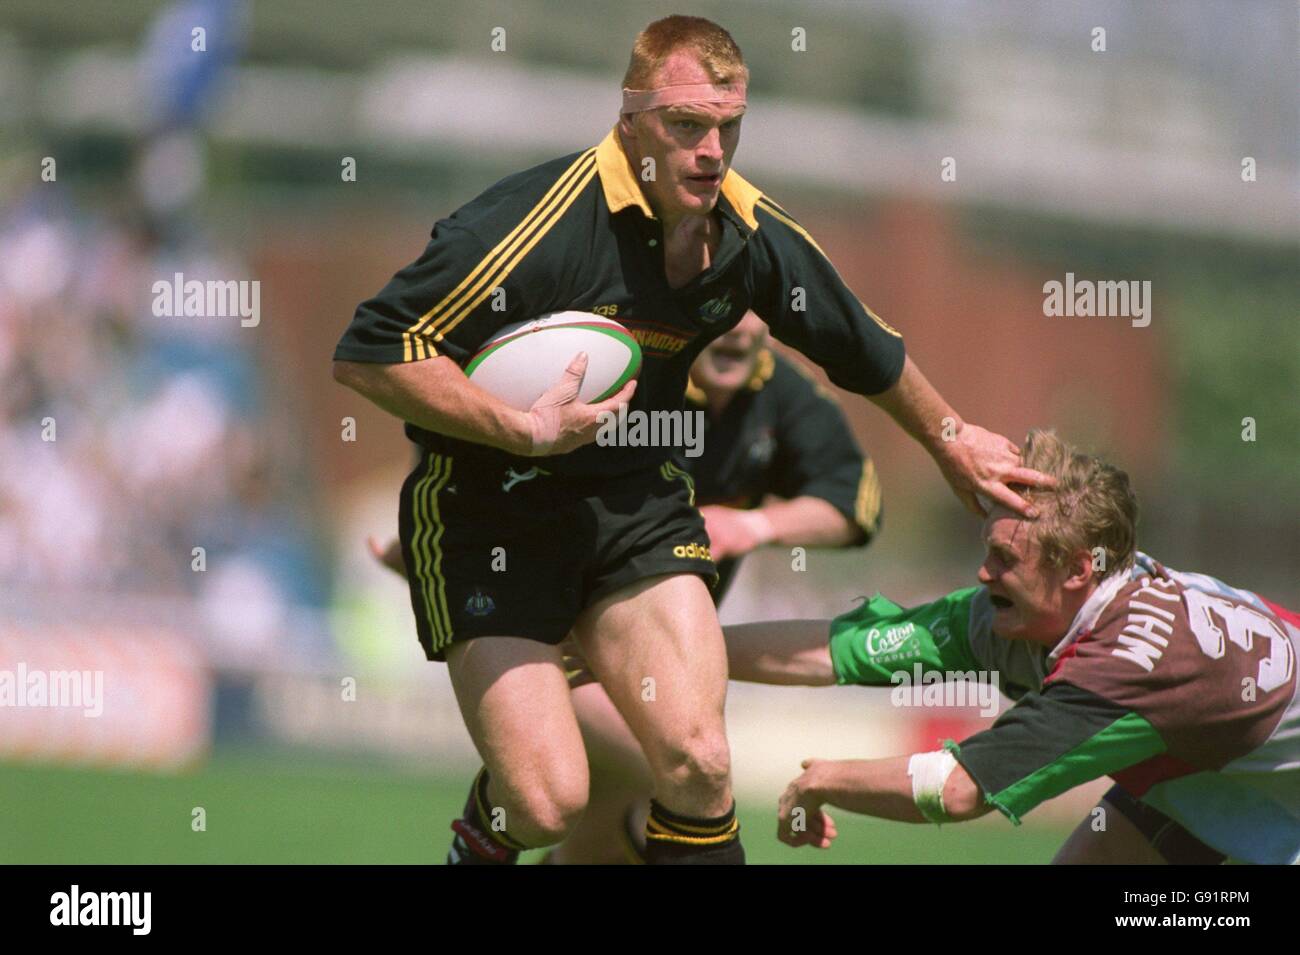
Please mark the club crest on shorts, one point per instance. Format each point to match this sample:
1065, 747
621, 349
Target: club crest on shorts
479, 604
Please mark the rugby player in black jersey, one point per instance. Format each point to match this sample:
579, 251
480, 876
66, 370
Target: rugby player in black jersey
654, 228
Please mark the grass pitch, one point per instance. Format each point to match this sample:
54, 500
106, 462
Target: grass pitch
290, 808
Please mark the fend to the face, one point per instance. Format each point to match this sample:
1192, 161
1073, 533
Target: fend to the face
691, 145
728, 362
1031, 601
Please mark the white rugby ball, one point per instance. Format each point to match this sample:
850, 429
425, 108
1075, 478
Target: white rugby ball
523, 360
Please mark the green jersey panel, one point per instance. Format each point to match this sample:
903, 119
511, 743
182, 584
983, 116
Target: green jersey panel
872, 642
1050, 742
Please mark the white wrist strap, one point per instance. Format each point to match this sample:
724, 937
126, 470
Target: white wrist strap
930, 772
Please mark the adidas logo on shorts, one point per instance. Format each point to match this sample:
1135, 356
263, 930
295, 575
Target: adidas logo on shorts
693, 550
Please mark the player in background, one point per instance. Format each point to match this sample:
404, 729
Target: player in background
772, 431
654, 228
1179, 687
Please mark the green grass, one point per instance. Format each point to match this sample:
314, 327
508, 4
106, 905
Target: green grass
295, 809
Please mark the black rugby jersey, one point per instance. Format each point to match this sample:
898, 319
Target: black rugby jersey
782, 434
577, 233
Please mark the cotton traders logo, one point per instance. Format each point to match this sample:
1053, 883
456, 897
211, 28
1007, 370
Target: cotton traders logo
891, 640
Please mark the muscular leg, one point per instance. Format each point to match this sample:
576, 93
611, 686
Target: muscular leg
621, 782
515, 700
791, 653
657, 648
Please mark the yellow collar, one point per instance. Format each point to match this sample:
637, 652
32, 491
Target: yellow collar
622, 190
762, 374
763, 370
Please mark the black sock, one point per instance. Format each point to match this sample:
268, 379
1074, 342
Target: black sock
673, 839
476, 842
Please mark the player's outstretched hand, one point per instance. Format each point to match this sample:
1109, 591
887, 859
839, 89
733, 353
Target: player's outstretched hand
732, 532
801, 820
560, 422
980, 466
390, 556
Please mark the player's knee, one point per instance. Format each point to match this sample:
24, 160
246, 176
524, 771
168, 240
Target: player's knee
549, 813
700, 762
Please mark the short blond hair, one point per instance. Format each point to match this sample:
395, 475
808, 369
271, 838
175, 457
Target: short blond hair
713, 46
1092, 506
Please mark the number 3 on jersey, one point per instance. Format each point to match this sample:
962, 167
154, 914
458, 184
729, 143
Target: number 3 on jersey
1243, 624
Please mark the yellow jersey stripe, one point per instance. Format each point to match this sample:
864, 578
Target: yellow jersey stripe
488, 269
866, 510
444, 326
770, 207
487, 262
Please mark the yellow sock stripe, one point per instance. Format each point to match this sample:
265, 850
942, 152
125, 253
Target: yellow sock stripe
866, 509
655, 833
688, 829
773, 209
489, 272
445, 326
440, 584
419, 550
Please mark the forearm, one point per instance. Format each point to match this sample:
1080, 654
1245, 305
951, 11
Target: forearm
873, 787
918, 408
435, 395
808, 522
883, 788
780, 652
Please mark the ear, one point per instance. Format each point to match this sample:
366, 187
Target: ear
627, 126
1080, 571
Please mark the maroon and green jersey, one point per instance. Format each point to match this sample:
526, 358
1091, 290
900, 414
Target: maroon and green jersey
1180, 688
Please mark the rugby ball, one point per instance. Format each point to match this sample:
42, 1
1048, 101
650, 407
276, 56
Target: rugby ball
523, 360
